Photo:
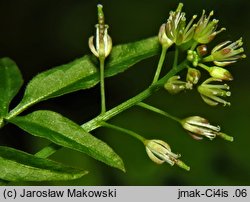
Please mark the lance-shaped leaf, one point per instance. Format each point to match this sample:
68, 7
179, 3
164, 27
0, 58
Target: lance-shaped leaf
83, 72
10, 82
16, 165
64, 132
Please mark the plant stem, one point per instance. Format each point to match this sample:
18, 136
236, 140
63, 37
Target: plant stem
50, 149
97, 121
194, 45
176, 54
160, 64
203, 66
159, 111
124, 130
102, 87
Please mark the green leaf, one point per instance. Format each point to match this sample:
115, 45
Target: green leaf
64, 132
83, 73
10, 82
16, 165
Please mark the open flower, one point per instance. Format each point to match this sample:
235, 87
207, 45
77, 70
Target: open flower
174, 85
226, 53
103, 44
176, 29
205, 30
211, 93
160, 152
199, 127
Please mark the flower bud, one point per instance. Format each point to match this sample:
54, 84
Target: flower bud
103, 44
201, 50
211, 94
160, 152
193, 57
193, 75
220, 73
217, 72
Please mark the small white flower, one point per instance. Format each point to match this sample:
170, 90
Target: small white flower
200, 126
103, 44
160, 152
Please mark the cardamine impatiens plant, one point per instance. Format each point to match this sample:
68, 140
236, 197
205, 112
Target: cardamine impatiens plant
185, 38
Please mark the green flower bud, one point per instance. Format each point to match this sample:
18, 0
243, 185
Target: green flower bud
217, 72
211, 94
193, 75
220, 73
160, 152
193, 57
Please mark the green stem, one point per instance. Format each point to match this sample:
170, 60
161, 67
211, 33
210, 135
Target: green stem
160, 64
102, 87
176, 54
124, 130
159, 111
203, 66
97, 121
194, 45
18, 110
50, 149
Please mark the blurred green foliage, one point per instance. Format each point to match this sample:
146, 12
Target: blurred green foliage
44, 33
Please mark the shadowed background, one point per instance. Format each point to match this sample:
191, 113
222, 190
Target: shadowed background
42, 34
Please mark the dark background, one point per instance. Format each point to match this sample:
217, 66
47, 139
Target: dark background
42, 34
